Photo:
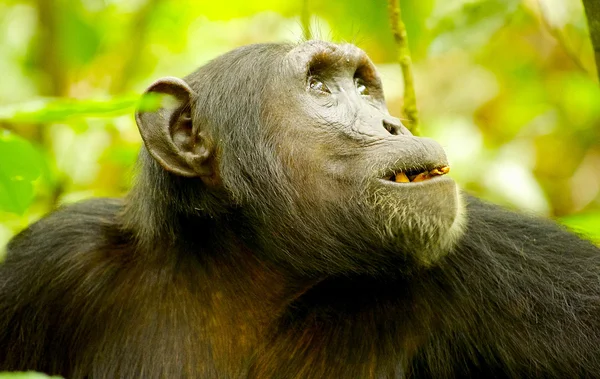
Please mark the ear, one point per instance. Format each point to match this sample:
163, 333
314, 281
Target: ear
169, 134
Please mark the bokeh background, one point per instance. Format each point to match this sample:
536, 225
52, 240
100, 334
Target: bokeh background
507, 86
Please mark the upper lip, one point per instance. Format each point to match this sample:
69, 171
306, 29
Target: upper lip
411, 157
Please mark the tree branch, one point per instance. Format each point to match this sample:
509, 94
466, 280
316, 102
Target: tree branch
592, 11
561, 38
409, 109
136, 41
48, 59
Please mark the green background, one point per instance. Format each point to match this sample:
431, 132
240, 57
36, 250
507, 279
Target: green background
508, 87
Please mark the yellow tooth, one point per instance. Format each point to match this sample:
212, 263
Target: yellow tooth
401, 178
440, 171
421, 177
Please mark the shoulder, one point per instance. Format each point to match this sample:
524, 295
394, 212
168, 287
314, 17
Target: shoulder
498, 228
80, 226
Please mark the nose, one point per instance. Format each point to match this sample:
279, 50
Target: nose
394, 126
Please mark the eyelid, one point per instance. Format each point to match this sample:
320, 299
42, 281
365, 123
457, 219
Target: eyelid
360, 82
317, 81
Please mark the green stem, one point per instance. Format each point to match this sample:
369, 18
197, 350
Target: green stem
136, 40
592, 11
409, 109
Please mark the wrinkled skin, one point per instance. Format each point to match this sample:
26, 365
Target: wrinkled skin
339, 139
332, 147
274, 232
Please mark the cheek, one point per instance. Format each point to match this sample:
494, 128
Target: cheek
319, 158
317, 177
312, 172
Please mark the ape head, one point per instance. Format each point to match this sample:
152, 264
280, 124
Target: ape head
293, 150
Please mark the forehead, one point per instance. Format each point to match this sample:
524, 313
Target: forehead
318, 54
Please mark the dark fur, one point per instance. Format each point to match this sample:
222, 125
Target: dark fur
181, 281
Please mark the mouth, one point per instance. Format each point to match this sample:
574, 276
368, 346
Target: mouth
417, 175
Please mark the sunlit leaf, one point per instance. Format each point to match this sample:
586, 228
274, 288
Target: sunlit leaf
20, 165
26, 375
585, 224
60, 110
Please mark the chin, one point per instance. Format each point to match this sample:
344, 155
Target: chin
424, 220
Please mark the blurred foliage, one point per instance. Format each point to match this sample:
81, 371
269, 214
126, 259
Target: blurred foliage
26, 375
584, 224
20, 166
507, 86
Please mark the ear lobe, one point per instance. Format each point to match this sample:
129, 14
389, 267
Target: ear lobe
168, 131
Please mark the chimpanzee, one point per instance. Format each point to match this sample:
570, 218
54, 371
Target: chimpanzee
284, 225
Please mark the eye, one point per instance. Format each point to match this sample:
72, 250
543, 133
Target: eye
361, 87
317, 85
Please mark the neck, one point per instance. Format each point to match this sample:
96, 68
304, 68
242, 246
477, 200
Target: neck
248, 298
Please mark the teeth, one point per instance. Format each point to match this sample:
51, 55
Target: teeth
440, 171
401, 178
421, 177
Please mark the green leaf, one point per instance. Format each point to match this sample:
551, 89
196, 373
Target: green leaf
61, 110
20, 165
26, 375
586, 224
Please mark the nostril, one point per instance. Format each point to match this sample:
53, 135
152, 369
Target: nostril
395, 127
392, 128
